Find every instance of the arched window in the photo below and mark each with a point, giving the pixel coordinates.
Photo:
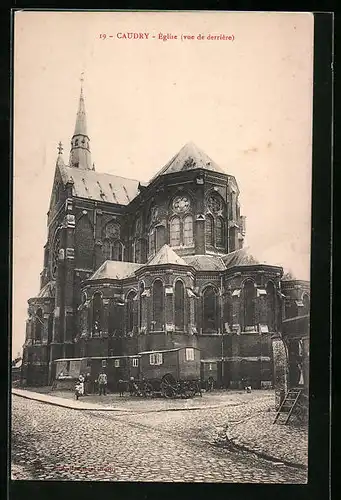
(117, 251)
(271, 306)
(220, 237)
(179, 303)
(210, 310)
(188, 230)
(306, 304)
(39, 325)
(131, 312)
(96, 313)
(209, 230)
(175, 232)
(249, 295)
(158, 305)
(142, 299)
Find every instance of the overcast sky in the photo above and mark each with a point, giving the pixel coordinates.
(247, 103)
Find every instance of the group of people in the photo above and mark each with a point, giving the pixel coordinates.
(83, 381)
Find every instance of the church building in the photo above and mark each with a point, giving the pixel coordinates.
(131, 266)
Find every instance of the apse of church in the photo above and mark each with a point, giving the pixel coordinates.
(132, 266)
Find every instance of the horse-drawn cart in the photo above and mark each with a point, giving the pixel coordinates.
(169, 373)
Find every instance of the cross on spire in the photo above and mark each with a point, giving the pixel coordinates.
(60, 148)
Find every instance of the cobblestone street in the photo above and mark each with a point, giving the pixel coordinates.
(54, 443)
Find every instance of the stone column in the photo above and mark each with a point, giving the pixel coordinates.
(199, 222)
(191, 317)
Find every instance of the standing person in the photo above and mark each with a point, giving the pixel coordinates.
(81, 380)
(86, 384)
(121, 387)
(102, 383)
(131, 386)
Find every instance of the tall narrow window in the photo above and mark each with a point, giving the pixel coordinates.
(84, 243)
(210, 310)
(39, 325)
(188, 230)
(151, 243)
(117, 251)
(249, 295)
(131, 312)
(158, 305)
(306, 304)
(175, 232)
(179, 306)
(50, 329)
(160, 237)
(209, 230)
(96, 313)
(138, 251)
(220, 239)
(271, 306)
(106, 249)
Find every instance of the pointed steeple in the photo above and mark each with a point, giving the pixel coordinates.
(80, 156)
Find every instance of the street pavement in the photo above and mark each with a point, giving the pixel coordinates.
(56, 443)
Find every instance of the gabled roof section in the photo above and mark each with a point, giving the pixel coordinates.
(115, 270)
(100, 186)
(189, 157)
(205, 262)
(166, 255)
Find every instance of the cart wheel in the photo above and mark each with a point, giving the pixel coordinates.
(168, 386)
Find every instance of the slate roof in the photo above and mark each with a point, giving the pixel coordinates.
(241, 257)
(166, 255)
(117, 270)
(189, 157)
(205, 262)
(208, 262)
(100, 186)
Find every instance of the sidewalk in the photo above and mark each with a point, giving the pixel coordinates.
(277, 442)
(140, 406)
(65, 403)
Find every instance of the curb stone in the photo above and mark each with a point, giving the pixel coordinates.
(73, 405)
(237, 443)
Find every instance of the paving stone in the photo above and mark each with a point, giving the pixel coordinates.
(75, 445)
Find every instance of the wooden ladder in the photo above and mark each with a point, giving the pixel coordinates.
(287, 406)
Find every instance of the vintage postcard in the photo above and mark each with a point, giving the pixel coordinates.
(162, 224)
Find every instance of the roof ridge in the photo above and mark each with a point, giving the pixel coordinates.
(96, 172)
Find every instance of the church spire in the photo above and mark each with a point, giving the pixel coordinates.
(80, 156)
